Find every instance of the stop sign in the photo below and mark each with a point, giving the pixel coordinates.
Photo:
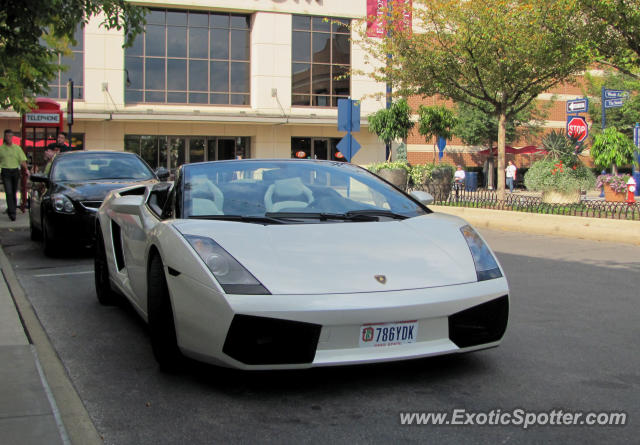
(577, 128)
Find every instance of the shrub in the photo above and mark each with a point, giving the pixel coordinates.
(551, 174)
(375, 168)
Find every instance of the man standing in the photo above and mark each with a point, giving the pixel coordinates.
(12, 157)
(59, 146)
(511, 175)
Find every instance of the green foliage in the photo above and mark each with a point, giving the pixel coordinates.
(436, 121)
(551, 174)
(421, 173)
(34, 32)
(477, 127)
(612, 148)
(401, 152)
(392, 123)
(615, 27)
(375, 168)
(561, 147)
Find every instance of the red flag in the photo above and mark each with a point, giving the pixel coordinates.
(376, 10)
(405, 8)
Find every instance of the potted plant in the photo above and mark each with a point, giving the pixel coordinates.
(615, 187)
(560, 176)
(612, 148)
(396, 172)
(390, 124)
(433, 178)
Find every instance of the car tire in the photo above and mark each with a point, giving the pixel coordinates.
(49, 246)
(106, 295)
(34, 234)
(162, 329)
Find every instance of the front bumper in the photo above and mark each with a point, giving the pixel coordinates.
(78, 228)
(323, 330)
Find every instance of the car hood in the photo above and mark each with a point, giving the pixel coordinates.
(346, 257)
(94, 190)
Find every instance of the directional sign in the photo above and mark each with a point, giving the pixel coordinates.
(348, 115)
(577, 128)
(616, 94)
(613, 103)
(577, 106)
(636, 135)
(348, 146)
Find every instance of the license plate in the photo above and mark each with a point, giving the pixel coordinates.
(388, 334)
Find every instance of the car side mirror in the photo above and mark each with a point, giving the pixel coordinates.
(422, 197)
(129, 205)
(162, 173)
(39, 177)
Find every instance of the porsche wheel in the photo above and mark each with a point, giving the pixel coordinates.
(161, 322)
(105, 294)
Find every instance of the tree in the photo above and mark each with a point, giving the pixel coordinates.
(497, 56)
(34, 32)
(392, 123)
(615, 26)
(436, 122)
(611, 149)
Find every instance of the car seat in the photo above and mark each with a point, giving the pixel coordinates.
(287, 193)
(205, 198)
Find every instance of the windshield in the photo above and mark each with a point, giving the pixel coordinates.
(312, 191)
(97, 166)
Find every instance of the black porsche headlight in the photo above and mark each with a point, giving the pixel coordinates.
(486, 265)
(231, 275)
(62, 204)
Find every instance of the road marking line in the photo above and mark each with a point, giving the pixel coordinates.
(62, 274)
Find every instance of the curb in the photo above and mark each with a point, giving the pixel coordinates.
(595, 229)
(75, 418)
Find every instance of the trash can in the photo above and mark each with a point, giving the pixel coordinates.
(471, 181)
(636, 177)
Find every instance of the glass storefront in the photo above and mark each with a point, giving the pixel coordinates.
(173, 151)
(316, 148)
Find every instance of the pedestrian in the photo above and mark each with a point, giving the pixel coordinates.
(60, 146)
(511, 175)
(458, 179)
(12, 157)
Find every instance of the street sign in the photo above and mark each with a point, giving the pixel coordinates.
(613, 103)
(577, 106)
(636, 135)
(348, 146)
(577, 128)
(348, 115)
(616, 94)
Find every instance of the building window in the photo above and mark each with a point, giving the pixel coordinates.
(321, 60)
(70, 66)
(316, 148)
(190, 57)
(173, 151)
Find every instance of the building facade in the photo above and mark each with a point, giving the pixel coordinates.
(211, 80)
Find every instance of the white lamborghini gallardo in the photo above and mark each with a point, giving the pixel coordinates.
(270, 264)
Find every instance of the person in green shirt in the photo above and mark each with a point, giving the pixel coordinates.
(12, 157)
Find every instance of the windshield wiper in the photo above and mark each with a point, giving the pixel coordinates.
(376, 212)
(322, 216)
(240, 218)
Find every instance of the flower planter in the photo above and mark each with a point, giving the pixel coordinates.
(613, 196)
(396, 176)
(555, 197)
(439, 185)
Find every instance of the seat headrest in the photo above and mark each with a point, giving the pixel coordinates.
(290, 187)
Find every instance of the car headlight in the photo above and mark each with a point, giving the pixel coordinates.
(231, 275)
(486, 264)
(62, 204)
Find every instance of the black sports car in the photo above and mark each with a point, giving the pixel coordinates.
(65, 198)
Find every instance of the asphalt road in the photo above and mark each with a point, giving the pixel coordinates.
(572, 344)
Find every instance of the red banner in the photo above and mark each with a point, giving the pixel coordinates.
(375, 17)
(376, 11)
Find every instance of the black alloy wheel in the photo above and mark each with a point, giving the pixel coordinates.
(162, 328)
(49, 246)
(34, 233)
